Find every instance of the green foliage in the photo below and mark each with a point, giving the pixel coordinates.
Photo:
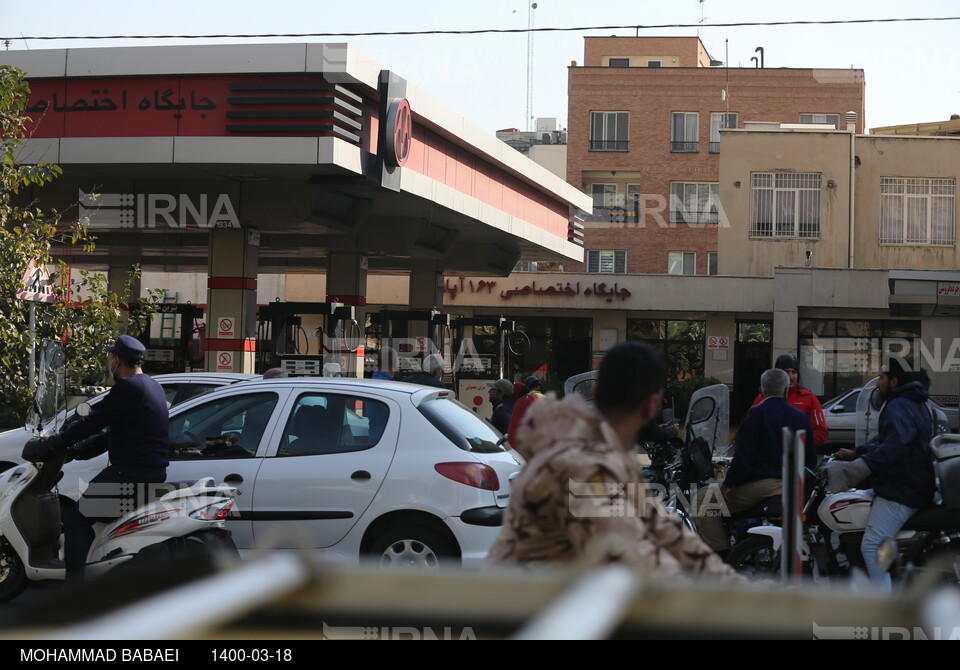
(87, 315)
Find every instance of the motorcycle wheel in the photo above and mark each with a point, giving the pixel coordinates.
(941, 566)
(212, 543)
(13, 579)
(754, 558)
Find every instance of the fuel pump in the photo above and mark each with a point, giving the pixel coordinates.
(175, 351)
(393, 329)
(486, 347)
(309, 339)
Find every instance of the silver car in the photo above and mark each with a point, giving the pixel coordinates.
(841, 416)
(177, 387)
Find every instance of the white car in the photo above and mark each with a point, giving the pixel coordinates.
(841, 417)
(177, 388)
(345, 468)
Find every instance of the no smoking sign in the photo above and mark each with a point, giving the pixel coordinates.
(225, 361)
(226, 327)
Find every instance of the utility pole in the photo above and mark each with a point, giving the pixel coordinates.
(530, 9)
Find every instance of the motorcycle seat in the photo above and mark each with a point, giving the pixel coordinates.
(771, 507)
(934, 518)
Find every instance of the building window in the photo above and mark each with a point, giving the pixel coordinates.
(619, 62)
(682, 263)
(604, 196)
(822, 119)
(917, 211)
(606, 261)
(607, 203)
(837, 355)
(682, 343)
(684, 137)
(711, 262)
(609, 131)
(653, 63)
(693, 203)
(785, 204)
(719, 121)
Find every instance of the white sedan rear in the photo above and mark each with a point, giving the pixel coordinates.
(344, 467)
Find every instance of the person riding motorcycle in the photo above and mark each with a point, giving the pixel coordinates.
(756, 472)
(801, 398)
(900, 461)
(135, 411)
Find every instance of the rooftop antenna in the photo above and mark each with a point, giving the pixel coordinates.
(702, 18)
(530, 9)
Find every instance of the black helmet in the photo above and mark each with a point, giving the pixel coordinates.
(787, 362)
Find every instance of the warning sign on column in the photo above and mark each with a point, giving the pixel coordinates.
(225, 361)
(226, 327)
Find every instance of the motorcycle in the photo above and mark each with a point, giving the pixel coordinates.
(680, 467)
(173, 516)
(832, 532)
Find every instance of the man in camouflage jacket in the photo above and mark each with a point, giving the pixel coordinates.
(582, 495)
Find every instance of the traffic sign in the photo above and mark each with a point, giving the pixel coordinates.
(36, 285)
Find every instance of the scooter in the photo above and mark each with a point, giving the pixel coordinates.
(183, 517)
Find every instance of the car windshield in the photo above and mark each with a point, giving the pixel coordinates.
(830, 403)
(461, 426)
(848, 400)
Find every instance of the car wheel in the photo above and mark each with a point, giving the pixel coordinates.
(13, 579)
(754, 558)
(412, 547)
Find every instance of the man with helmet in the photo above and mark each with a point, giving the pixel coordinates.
(138, 442)
(801, 398)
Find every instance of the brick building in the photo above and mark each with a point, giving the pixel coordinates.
(643, 140)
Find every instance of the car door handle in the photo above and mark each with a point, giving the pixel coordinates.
(234, 478)
(360, 476)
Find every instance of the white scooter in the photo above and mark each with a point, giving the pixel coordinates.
(183, 517)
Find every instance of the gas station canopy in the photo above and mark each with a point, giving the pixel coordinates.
(314, 147)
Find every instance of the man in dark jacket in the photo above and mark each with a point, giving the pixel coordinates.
(900, 461)
(756, 472)
(500, 393)
(430, 373)
(138, 442)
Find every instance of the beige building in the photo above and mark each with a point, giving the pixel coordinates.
(789, 196)
(866, 225)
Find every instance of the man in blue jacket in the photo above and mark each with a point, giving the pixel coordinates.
(138, 442)
(900, 462)
(756, 472)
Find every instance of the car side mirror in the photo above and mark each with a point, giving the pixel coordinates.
(837, 409)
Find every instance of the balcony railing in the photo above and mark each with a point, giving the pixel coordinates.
(609, 145)
(694, 218)
(612, 215)
(714, 147)
(685, 147)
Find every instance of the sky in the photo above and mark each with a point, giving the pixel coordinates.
(910, 68)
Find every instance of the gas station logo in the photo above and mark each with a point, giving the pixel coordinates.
(157, 210)
(400, 131)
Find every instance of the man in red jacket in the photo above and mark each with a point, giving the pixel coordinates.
(801, 398)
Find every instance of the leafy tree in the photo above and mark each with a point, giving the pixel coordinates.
(87, 315)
